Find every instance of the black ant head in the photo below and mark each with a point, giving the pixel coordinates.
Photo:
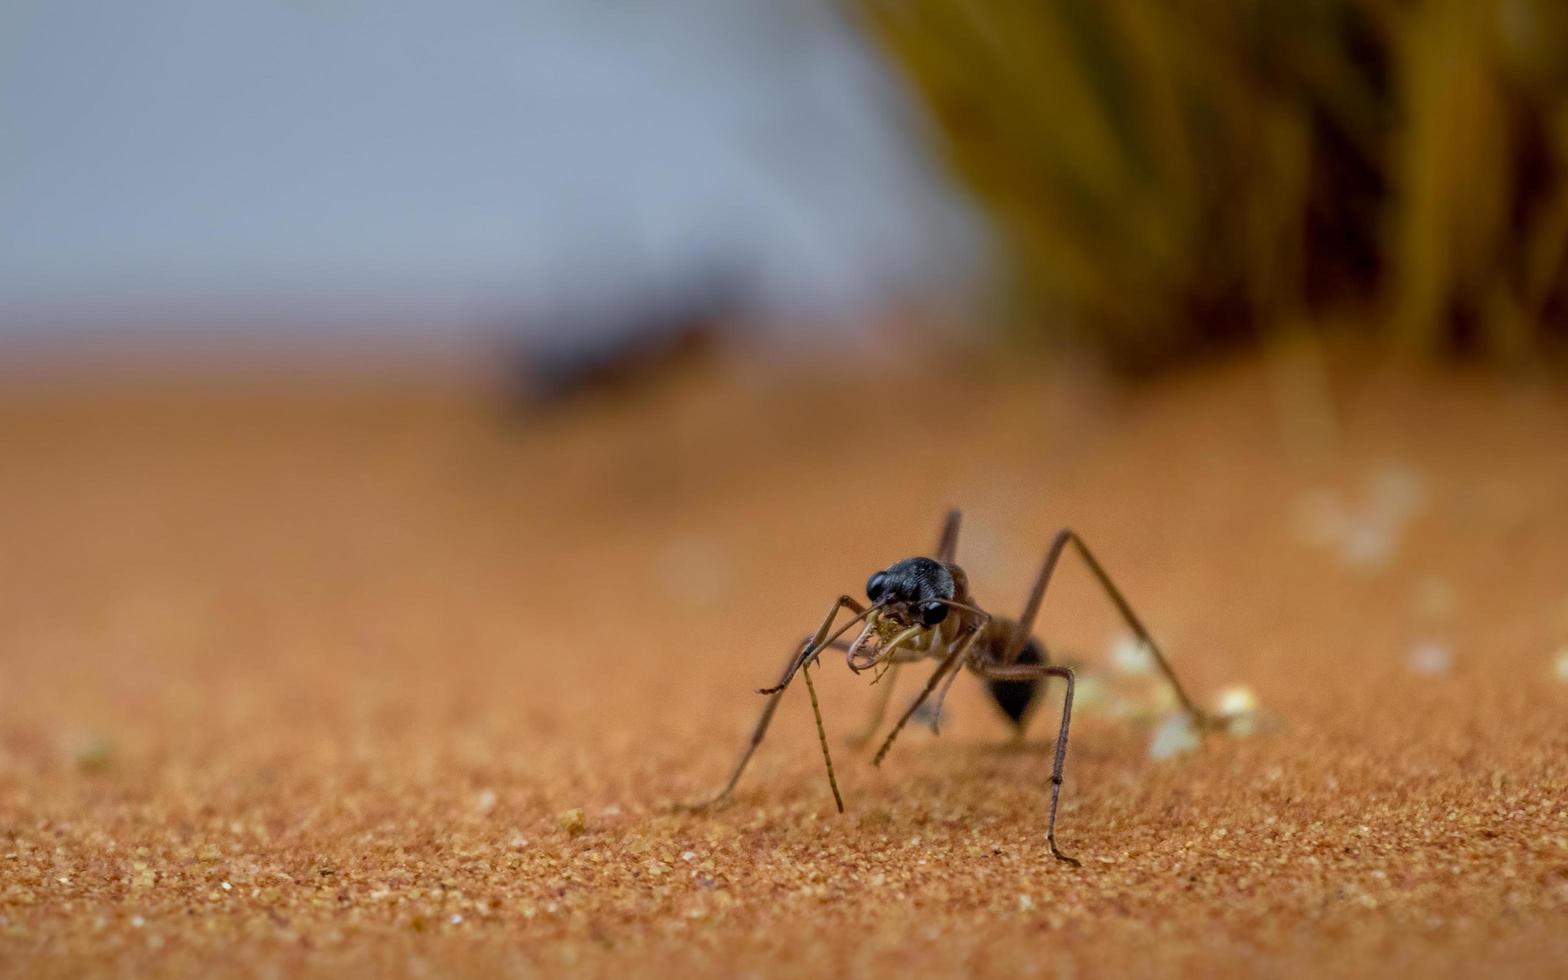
(909, 600)
(913, 592)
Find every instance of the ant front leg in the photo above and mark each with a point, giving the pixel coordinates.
(1020, 638)
(1036, 672)
(808, 650)
(950, 664)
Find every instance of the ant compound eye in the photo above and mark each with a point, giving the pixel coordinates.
(875, 585)
(932, 613)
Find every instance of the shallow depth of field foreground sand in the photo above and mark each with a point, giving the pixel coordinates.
(309, 683)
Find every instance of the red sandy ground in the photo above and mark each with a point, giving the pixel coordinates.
(298, 683)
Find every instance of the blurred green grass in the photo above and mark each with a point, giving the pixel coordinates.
(1172, 177)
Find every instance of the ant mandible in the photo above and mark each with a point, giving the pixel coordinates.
(921, 609)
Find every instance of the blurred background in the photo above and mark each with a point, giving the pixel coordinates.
(1141, 184)
(571, 176)
(453, 411)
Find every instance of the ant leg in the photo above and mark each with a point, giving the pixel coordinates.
(1016, 699)
(947, 544)
(941, 699)
(1036, 672)
(807, 650)
(1026, 622)
(820, 641)
(822, 735)
(952, 663)
(878, 710)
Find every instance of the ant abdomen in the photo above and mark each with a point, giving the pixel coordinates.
(1015, 698)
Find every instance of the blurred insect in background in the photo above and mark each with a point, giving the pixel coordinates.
(921, 609)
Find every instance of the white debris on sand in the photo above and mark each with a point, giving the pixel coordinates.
(1146, 697)
(1431, 657)
(1238, 709)
(1176, 736)
(1238, 699)
(1366, 532)
(1319, 518)
(1131, 688)
(1560, 667)
(1090, 696)
(1130, 655)
(1398, 492)
(1369, 542)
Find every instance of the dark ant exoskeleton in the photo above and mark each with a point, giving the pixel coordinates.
(921, 609)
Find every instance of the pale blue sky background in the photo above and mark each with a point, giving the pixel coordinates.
(451, 158)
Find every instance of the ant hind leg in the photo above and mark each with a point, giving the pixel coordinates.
(947, 544)
(1021, 632)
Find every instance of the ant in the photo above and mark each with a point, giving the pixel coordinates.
(921, 609)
